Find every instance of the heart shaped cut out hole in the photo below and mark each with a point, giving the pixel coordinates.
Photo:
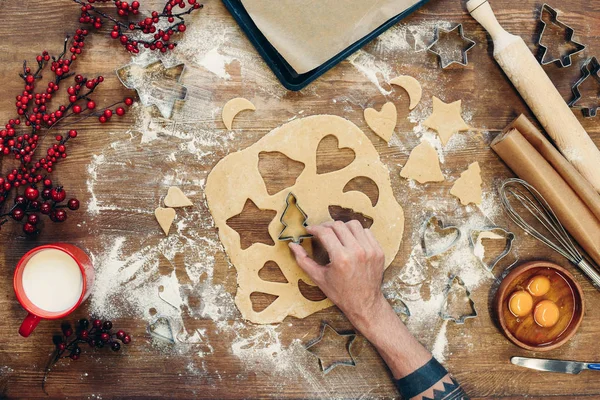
(330, 157)
(437, 238)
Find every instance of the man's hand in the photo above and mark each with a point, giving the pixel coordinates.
(352, 279)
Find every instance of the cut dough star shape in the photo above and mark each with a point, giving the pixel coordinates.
(468, 187)
(446, 119)
(423, 165)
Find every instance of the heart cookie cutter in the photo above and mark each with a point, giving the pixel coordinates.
(351, 336)
(444, 61)
(475, 237)
(591, 67)
(461, 319)
(564, 60)
(433, 221)
(288, 203)
(161, 328)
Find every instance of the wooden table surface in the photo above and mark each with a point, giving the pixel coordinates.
(120, 173)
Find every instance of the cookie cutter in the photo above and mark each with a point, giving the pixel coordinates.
(564, 60)
(163, 95)
(468, 45)
(430, 221)
(162, 328)
(328, 368)
(475, 234)
(288, 203)
(461, 319)
(591, 67)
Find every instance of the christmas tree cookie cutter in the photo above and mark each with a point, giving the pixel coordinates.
(351, 336)
(292, 201)
(490, 232)
(564, 60)
(460, 320)
(591, 67)
(431, 251)
(445, 61)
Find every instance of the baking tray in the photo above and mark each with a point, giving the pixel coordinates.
(284, 72)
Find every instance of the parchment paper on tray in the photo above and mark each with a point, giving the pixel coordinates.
(308, 33)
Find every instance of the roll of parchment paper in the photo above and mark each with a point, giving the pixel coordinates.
(572, 212)
(578, 183)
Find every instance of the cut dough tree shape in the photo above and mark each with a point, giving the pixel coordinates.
(412, 87)
(293, 220)
(382, 122)
(446, 119)
(423, 165)
(165, 217)
(175, 198)
(233, 107)
(468, 187)
(237, 178)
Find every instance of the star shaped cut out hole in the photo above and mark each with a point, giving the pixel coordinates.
(332, 348)
(252, 225)
(155, 84)
(451, 46)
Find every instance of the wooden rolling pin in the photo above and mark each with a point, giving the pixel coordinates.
(532, 82)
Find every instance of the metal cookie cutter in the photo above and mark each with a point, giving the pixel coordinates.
(475, 237)
(591, 67)
(156, 84)
(445, 59)
(289, 201)
(162, 328)
(427, 250)
(564, 60)
(327, 368)
(443, 312)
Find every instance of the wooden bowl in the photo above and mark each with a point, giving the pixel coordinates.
(564, 291)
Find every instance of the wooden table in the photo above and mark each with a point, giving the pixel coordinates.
(119, 196)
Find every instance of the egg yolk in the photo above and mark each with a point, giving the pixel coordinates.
(539, 285)
(520, 303)
(546, 313)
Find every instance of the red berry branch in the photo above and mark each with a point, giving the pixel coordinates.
(95, 333)
(36, 115)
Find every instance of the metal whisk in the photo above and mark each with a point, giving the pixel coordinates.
(555, 237)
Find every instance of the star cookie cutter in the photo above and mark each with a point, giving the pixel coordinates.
(162, 93)
(591, 67)
(314, 342)
(461, 319)
(288, 203)
(433, 221)
(564, 60)
(444, 61)
(474, 239)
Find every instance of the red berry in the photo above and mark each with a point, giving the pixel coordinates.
(72, 133)
(108, 113)
(127, 339)
(73, 204)
(107, 326)
(29, 228)
(46, 193)
(74, 357)
(18, 214)
(91, 105)
(97, 323)
(120, 111)
(181, 28)
(67, 332)
(33, 219)
(128, 101)
(120, 334)
(58, 194)
(20, 200)
(76, 109)
(47, 183)
(84, 335)
(102, 119)
(105, 337)
(60, 216)
(45, 208)
(32, 193)
(61, 346)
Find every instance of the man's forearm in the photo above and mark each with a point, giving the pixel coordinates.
(417, 374)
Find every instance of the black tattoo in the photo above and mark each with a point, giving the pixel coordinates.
(452, 391)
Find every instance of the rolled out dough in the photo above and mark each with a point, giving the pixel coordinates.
(468, 187)
(236, 178)
(423, 165)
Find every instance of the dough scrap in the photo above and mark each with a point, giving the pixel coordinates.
(412, 87)
(446, 119)
(175, 198)
(423, 164)
(468, 187)
(233, 107)
(236, 178)
(382, 122)
(165, 217)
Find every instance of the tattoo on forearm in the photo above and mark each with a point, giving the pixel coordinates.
(451, 391)
(430, 382)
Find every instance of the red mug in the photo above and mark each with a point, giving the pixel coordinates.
(42, 265)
